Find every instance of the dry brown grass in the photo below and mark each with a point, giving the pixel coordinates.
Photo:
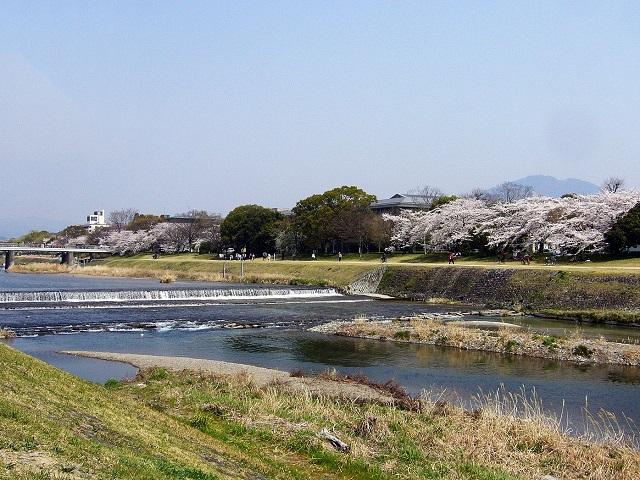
(167, 277)
(140, 272)
(40, 267)
(193, 275)
(505, 435)
(7, 333)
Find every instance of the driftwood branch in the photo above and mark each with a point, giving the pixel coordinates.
(334, 441)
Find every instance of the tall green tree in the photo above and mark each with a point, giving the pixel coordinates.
(625, 232)
(72, 231)
(333, 218)
(250, 226)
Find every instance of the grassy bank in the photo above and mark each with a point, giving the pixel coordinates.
(190, 426)
(205, 268)
(509, 341)
(55, 425)
(525, 289)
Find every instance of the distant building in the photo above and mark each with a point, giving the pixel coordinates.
(190, 219)
(401, 201)
(170, 219)
(286, 212)
(96, 220)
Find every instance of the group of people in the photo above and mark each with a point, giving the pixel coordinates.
(247, 256)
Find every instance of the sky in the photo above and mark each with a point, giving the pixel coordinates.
(168, 106)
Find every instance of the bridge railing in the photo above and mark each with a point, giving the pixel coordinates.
(26, 245)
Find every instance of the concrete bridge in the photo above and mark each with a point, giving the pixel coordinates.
(67, 253)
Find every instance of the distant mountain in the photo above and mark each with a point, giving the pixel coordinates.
(552, 187)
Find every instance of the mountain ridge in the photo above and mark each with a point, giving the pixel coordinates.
(550, 186)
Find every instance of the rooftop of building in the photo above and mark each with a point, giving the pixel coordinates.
(403, 200)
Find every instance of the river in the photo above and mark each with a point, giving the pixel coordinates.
(267, 326)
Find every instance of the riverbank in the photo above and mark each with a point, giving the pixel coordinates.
(258, 376)
(577, 293)
(205, 268)
(191, 424)
(508, 340)
(595, 296)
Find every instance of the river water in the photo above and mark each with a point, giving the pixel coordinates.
(267, 326)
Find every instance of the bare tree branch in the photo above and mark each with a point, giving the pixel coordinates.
(119, 219)
(510, 192)
(613, 184)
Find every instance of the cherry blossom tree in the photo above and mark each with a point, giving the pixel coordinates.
(446, 226)
(572, 224)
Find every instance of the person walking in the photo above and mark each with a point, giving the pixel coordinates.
(452, 258)
(339, 256)
(313, 256)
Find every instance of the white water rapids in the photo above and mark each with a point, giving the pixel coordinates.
(163, 295)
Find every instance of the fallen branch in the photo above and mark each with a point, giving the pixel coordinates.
(334, 441)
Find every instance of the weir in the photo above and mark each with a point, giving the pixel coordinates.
(163, 295)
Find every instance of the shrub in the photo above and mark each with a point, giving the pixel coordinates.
(583, 351)
(510, 345)
(550, 342)
(111, 383)
(402, 335)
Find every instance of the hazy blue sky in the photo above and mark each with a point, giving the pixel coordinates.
(166, 106)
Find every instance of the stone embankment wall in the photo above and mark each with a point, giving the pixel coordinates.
(508, 288)
(367, 283)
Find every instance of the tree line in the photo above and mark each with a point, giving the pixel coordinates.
(341, 220)
(608, 221)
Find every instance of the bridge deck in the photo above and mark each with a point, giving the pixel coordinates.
(53, 249)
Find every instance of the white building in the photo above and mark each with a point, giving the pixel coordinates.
(96, 220)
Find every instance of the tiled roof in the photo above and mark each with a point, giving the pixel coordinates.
(403, 200)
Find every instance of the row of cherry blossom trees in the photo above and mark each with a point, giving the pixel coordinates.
(167, 237)
(571, 224)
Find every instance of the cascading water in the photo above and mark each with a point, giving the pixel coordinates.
(163, 295)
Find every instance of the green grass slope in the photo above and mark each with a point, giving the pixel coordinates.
(55, 425)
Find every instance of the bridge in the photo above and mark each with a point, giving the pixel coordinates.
(67, 253)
